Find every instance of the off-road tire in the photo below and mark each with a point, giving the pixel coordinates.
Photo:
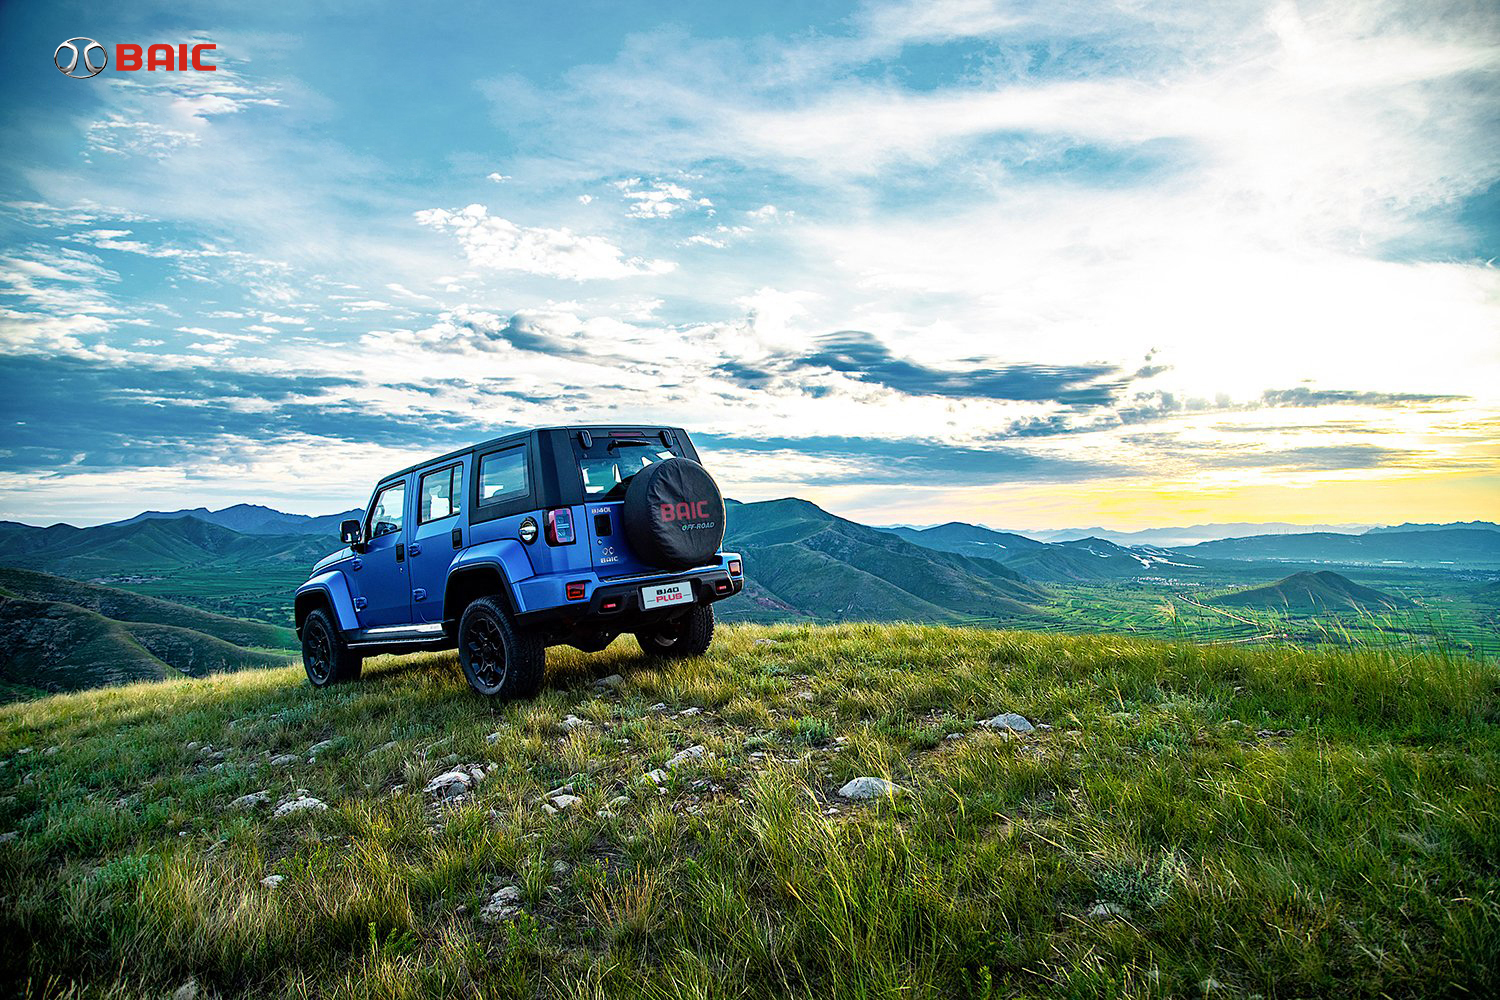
(499, 660)
(325, 657)
(690, 635)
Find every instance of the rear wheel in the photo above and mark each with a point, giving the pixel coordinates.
(499, 659)
(689, 635)
(324, 656)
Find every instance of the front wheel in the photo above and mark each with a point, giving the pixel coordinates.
(499, 659)
(689, 635)
(324, 656)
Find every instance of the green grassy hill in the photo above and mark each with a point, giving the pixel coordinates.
(123, 605)
(62, 635)
(1183, 821)
(1311, 593)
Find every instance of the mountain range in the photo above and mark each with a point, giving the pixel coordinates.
(253, 519)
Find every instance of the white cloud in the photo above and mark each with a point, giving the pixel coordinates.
(492, 242)
(658, 199)
(497, 177)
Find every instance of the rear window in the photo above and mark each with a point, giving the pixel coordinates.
(609, 462)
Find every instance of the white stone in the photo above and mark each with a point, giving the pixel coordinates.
(692, 753)
(187, 991)
(284, 759)
(299, 804)
(7, 837)
(194, 745)
(503, 905)
(807, 696)
(252, 801)
(1106, 911)
(318, 748)
(1011, 721)
(612, 681)
(572, 722)
(450, 784)
(561, 868)
(688, 713)
(564, 802)
(273, 881)
(655, 777)
(869, 788)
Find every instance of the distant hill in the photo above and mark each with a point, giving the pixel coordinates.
(253, 519)
(1312, 592)
(154, 545)
(1455, 547)
(1192, 534)
(49, 645)
(1086, 559)
(1409, 526)
(802, 558)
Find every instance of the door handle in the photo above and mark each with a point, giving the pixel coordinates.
(458, 538)
(414, 549)
(418, 594)
(356, 564)
(400, 552)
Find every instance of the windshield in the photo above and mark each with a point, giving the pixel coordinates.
(609, 463)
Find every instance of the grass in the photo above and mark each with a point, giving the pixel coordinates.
(1196, 820)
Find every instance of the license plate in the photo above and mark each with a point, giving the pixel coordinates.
(667, 593)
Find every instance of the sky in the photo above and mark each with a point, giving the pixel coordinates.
(1034, 265)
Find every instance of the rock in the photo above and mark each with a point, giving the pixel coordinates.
(618, 801)
(1106, 911)
(612, 681)
(688, 713)
(561, 868)
(954, 736)
(273, 881)
(187, 991)
(193, 746)
(560, 790)
(388, 745)
(318, 748)
(572, 722)
(6, 838)
(692, 753)
(869, 788)
(654, 777)
(1009, 721)
(285, 760)
(806, 696)
(299, 803)
(765, 642)
(492, 738)
(549, 809)
(563, 802)
(660, 706)
(252, 801)
(502, 906)
(450, 784)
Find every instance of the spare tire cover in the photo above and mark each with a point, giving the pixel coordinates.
(674, 514)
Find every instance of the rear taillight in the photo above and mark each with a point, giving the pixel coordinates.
(577, 589)
(560, 527)
(735, 567)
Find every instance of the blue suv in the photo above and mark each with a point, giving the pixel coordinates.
(561, 535)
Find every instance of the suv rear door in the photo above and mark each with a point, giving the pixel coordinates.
(437, 536)
(605, 465)
(379, 574)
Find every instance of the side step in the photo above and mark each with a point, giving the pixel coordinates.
(396, 635)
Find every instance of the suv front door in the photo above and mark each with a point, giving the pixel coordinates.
(382, 579)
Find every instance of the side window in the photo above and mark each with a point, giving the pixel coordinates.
(441, 494)
(502, 476)
(389, 511)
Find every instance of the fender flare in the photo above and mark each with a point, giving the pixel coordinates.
(332, 589)
(506, 558)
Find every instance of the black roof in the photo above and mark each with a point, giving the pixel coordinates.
(516, 436)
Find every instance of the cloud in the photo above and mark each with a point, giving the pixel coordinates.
(658, 199)
(499, 244)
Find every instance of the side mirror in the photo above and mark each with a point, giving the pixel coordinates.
(350, 533)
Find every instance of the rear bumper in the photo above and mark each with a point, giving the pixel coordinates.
(616, 607)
